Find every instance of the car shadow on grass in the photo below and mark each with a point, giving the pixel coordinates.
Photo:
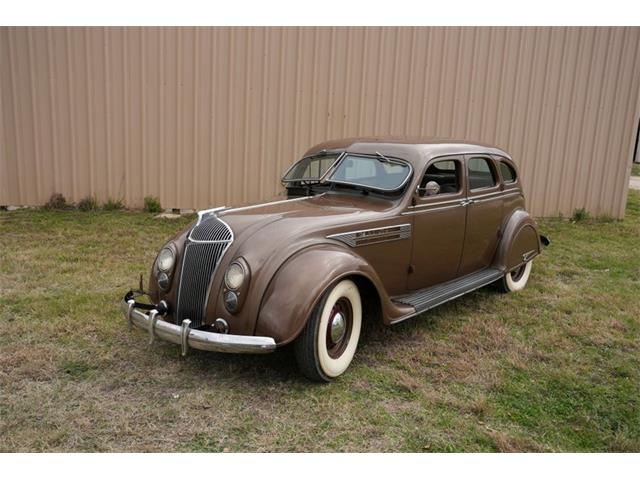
(280, 366)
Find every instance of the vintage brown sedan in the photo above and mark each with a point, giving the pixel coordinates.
(369, 229)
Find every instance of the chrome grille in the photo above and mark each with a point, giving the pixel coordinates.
(207, 243)
(211, 230)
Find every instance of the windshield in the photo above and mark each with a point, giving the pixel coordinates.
(310, 169)
(378, 172)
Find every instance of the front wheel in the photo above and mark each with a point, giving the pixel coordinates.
(328, 342)
(516, 279)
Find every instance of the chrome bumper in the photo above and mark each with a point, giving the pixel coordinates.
(187, 338)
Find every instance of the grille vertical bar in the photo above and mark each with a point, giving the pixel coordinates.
(205, 247)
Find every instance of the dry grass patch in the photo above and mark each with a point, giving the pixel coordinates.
(552, 368)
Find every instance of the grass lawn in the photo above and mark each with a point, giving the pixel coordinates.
(552, 368)
(635, 170)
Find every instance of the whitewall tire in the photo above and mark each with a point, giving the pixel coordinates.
(327, 344)
(517, 279)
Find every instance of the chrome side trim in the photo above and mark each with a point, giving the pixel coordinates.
(481, 200)
(198, 339)
(249, 207)
(497, 193)
(513, 194)
(444, 202)
(463, 201)
(425, 210)
(370, 236)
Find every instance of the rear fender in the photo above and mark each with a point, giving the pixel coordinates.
(520, 241)
(300, 282)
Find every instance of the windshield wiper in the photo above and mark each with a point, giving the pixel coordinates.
(382, 158)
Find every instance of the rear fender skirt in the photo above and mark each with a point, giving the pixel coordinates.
(520, 241)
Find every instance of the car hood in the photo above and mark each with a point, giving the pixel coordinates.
(266, 235)
(291, 220)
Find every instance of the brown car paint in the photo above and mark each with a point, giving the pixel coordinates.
(292, 261)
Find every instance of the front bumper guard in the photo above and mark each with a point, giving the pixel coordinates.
(187, 338)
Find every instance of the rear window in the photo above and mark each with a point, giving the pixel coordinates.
(508, 173)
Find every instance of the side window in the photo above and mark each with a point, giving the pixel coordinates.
(481, 174)
(445, 173)
(310, 168)
(507, 172)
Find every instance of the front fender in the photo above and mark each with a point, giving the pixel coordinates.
(299, 283)
(520, 241)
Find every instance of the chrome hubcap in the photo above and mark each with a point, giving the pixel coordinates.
(338, 327)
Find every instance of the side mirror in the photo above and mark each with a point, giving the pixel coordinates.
(431, 188)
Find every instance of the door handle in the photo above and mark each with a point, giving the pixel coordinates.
(467, 201)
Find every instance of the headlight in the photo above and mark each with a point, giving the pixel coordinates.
(165, 260)
(234, 276)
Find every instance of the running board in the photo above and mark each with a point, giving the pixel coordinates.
(427, 298)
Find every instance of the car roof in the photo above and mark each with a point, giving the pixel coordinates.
(416, 150)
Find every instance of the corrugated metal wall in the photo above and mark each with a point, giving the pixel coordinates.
(208, 116)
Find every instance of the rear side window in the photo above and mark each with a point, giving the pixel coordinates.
(481, 174)
(508, 173)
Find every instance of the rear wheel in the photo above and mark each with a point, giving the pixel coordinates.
(328, 342)
(517, 278)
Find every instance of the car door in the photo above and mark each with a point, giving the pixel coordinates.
(438, 224)
(484, 213)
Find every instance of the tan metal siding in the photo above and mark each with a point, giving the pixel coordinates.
(208, 116)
